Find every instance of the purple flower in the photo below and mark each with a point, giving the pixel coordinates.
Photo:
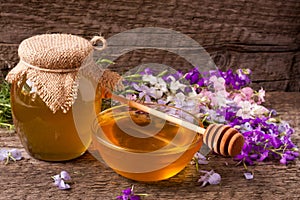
(135, 197)
(178, 75)
(144, 92)
(222, 97)
(210, 177)
(200, 159)
(265, 139)
(147, 70)
(236, 80)
(193, 76)
(127, 191)
(128, 194)
(238, 106)
(61, 180)
(10, 154)
(288, 156)
(263, 154)
(65, 175)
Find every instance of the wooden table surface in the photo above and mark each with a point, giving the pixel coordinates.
(31, 178)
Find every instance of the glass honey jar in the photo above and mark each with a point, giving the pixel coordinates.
(52, 112)
(46, 135)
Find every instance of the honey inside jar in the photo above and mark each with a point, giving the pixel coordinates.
(46, 135)
(133, 152)
(54, 94)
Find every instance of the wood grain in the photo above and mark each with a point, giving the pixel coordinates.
(31, 179)
(262, 35)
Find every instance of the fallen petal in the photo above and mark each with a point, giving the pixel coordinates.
(214, 179)
(248, 175)
(65, 175)
(63, 186)
(56, 179)
(210, 177)
(202, 162)
(16, 154)
(3, 154)
(204, 183)
(203, 179)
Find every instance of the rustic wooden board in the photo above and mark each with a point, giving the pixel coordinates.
(30, 178)
(262, 35)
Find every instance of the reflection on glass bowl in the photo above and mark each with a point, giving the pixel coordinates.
(143, 147)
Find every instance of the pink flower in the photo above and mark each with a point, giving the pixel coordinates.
(237, 98)
(248, 93)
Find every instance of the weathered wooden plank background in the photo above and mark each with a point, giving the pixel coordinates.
(259, 34)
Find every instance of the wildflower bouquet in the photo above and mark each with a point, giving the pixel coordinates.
(219, 97)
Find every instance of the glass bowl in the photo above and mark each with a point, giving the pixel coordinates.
(142, 147)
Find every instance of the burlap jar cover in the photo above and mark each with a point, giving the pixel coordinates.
(52, 62)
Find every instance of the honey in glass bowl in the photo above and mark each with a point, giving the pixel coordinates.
(142, 147)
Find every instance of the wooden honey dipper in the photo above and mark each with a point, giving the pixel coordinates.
(220, 138)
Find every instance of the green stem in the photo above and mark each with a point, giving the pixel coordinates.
(9, 156)
(244, 164)
(162, 73)
(3, 124)
(5, 105)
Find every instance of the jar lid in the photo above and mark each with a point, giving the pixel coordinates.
(51, 62)
(55, 51)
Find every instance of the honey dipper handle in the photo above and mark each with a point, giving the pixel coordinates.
(159, 114)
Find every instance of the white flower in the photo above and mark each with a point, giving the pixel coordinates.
(161, 85)
(215, 117)
(261, 95)
(246, 126)
(245, 110)
(193, 93)
(175, 85)
(144, 91)
(149, 78)
(155, 93)
(182, 101)
(157, 89)
(219, 83)
(258, 110)
(219, 99)
(248, 110)
(179, 99)
(158, 83)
